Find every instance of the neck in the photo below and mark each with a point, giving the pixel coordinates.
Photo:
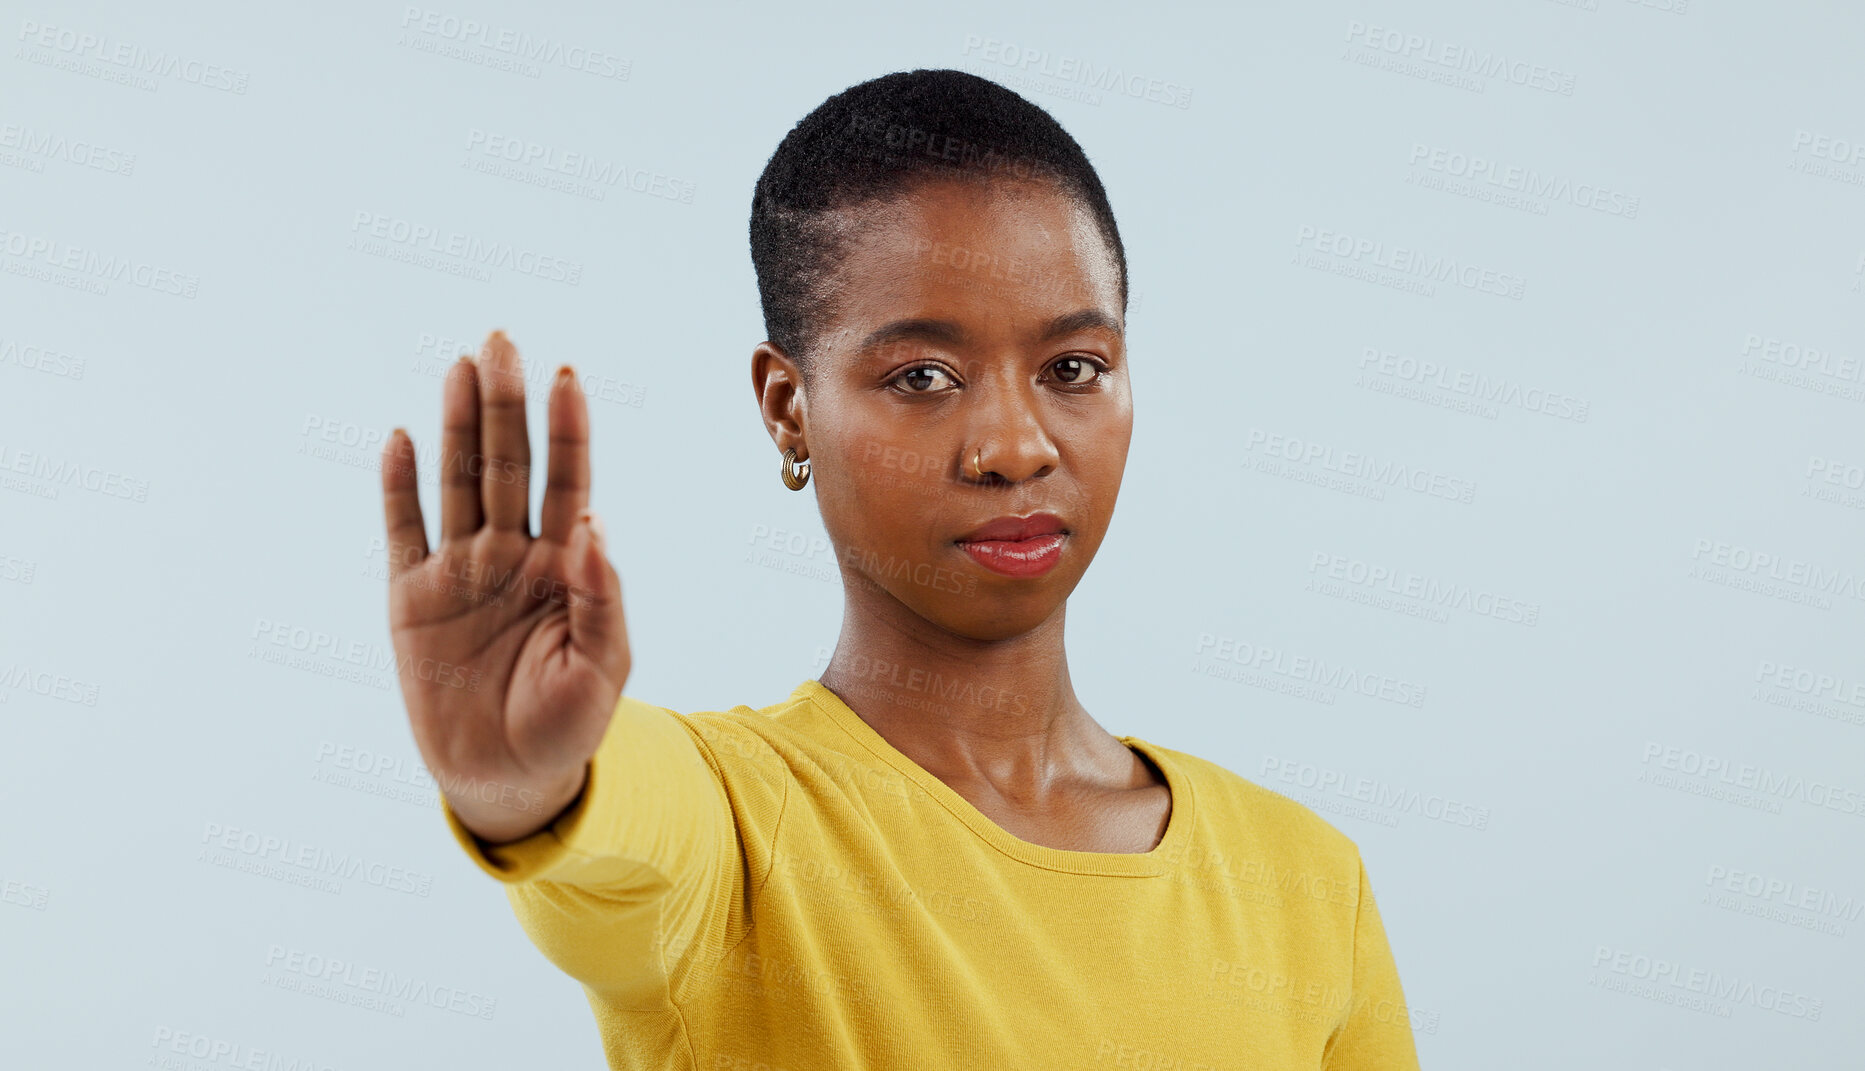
(999, 712)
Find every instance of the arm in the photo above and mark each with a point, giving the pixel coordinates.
(628, 888)
(1376, 1033)
(650, 809)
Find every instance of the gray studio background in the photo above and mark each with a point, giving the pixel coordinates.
(1621, 575)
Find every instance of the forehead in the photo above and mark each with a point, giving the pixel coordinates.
(999, 254)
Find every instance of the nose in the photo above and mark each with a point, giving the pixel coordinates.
(1007, 432)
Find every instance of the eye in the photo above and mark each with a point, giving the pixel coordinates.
(1074, 370)
(919, 377)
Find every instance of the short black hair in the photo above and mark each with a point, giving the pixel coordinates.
(879, 139)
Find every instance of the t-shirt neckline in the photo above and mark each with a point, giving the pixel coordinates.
(1151, 863)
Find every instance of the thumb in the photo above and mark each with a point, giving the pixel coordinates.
(597, 627)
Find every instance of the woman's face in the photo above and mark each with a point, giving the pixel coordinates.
(973, 324)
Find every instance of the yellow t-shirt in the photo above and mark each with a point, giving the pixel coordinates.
(783, 890)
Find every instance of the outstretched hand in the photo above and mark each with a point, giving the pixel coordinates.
(511, 647)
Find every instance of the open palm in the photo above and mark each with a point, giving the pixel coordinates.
(512, 648)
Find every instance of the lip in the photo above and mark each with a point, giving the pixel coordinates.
(1017, 557)
(1014, 529)
(1016, 546)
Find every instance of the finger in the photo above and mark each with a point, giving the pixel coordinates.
(460, 514)
(566, 490)
(401, 505)
(597, 627)
(505, 482)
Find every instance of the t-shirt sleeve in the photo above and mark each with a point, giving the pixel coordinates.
(1376, 1034)
(638, 872)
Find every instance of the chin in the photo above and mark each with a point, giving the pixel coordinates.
(1001, 607)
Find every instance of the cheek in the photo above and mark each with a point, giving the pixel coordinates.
(1102, 447)
(882, 497)
(907, 476)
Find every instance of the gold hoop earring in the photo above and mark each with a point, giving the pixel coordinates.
(792, 479)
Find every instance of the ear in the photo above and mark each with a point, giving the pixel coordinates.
(778, 384)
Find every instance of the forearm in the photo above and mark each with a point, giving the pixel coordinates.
(499, 813)
(647, 836)
(647, 808)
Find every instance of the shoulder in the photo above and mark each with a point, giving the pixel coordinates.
(735, 740)
(1244, 816)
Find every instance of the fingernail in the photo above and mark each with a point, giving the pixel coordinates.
(595, 527)
(565, 374)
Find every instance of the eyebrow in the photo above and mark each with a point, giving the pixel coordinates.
(952, 334)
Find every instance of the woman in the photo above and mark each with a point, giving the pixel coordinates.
(933, 856)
